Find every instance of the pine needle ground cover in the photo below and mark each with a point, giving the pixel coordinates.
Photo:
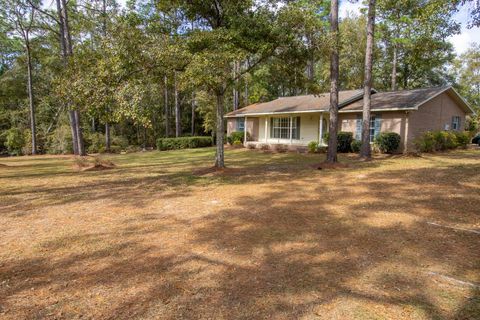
(161, 236)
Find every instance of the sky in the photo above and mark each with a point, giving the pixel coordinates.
(461, 41)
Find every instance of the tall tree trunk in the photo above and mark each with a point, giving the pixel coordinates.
(365, 150)
(394, 68)
(219, 157)
(144, 138)
(334, 62)
(63, 47)
(30, 95)
(68, 47)
(167, 109)
(178, 124)
(236, 93)
(71, 117)
(246, 85)
(193, 114)
(107, 111)
(108, 141)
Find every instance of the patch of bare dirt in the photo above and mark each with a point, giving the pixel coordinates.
(327, 165)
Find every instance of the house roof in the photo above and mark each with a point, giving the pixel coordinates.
(352, 101)
(406, 100)
(297, 104)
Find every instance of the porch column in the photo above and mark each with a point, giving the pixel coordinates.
(320, 138)
(291, 129)
(405, 139)
(245, 132)
(266, 129)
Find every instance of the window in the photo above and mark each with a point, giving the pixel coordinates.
(280, 128)
(375, 124)
(241, 124)
(456, 123)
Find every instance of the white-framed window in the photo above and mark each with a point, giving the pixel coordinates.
(280, 127)
(456, 123)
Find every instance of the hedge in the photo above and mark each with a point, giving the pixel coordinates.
(388, 142)
(183, 143)
(344, 141)
(431, 141)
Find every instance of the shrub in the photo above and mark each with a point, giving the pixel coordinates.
(237, 144)
(60, 140)
(237, 135)
(444, 140)
(388, 142)
(95, 142)
(281, 148)
(264, 147)
(462, 138)
(14, 141)
(425, 143)
(312, 146)
(441, 140)
(344, 140)
(183, 143)
(356, 145)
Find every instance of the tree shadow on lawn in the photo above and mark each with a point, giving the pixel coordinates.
(283, 253)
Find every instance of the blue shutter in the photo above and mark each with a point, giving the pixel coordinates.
(378, 125)
(358, 128)
(297, 133)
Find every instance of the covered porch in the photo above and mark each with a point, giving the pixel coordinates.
(293, 129)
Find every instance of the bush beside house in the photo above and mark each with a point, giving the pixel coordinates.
(432, 141)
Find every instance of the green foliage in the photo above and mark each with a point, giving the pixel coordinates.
(183, 143)
(471, 124)
(237, 136)
(14, 141)
(344, 141)
(356, 145)
(462, 138)
(60, 141)
(312, 146)
(237, 144)
(388, 142)
(431, 141)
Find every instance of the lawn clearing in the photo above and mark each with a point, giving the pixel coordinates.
(161, 236)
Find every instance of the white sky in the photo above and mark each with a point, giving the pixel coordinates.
(461, 42)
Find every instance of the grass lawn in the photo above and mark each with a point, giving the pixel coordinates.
(269, 238)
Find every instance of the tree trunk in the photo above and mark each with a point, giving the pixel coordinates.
(178, 125)
(71, 117)
(78, 129)
(333, 125)
(394, 68)
(236, 93)
(144, 138)
(167, 110)
(30, 95)
(193, 114)
(67, 46)
(365, 150)
(107, 137)
(219, 157)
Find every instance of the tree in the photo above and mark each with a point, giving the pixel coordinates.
(365, 150)
(334, 62)
(466, 70)
(20, 17)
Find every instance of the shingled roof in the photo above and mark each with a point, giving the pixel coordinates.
(397, 100)
(351, 101)
(296, 104)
